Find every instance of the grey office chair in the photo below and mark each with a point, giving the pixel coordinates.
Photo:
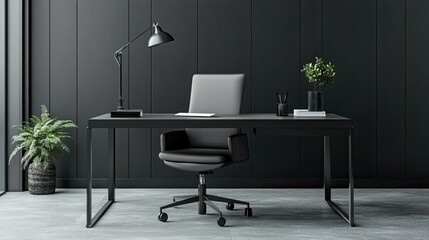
(203, 150)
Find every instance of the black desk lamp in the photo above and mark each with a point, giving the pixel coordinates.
(159, 37)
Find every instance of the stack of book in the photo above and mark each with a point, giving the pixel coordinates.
(306, 113)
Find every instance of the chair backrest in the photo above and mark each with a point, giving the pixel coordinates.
(215, 93)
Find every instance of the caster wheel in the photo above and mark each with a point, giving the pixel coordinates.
(163, 217)
(174, 200)
(221, 221)
(230, 206)
(248, 212)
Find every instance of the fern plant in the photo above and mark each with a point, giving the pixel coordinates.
(41, 139)
(319, 73)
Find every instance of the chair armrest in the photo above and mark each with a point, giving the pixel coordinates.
(174, 140)
(238, 147)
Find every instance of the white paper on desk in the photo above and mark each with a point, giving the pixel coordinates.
(306, 113)
(183, 114)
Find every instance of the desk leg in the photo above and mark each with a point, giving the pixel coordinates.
(112, 158)
(327, 167)
(88, 177)
(351, 178)
(91, 221)
(327, 179)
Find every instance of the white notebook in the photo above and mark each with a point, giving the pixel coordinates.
(306, 113)
(183, 114)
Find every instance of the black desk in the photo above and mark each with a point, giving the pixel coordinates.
(331, 125)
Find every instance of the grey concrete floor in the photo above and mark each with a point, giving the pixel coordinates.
(278, 214)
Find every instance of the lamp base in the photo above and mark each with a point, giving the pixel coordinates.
(126, 113)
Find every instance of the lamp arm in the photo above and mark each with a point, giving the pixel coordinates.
(132, 40)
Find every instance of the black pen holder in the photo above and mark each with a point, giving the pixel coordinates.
(282, 109)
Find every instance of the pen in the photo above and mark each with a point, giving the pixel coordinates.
(279, 97)
(286, 96)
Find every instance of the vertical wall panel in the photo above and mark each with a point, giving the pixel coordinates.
(174, 64)
(99, 20)
(225, 46)
(349, 41)
(311, 46)
(275, 68)
(224, 40)
(14, 86)
(417, 38)
(140, 87)
(39, 54)
(3, 137)
(63, 75)
(391, 88)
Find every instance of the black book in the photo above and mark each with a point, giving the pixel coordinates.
(127, 113)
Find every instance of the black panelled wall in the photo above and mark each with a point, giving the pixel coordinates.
(379, 48)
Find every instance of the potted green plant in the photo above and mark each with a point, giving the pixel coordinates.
(41, 139)
(319, 74)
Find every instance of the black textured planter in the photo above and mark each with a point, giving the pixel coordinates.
(41, 181)
(315, 101)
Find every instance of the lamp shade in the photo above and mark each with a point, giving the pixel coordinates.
(159, 37)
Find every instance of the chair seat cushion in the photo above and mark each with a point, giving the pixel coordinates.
(196, 155)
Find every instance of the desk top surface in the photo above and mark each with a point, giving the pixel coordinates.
(251, 120)
(218, 117)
